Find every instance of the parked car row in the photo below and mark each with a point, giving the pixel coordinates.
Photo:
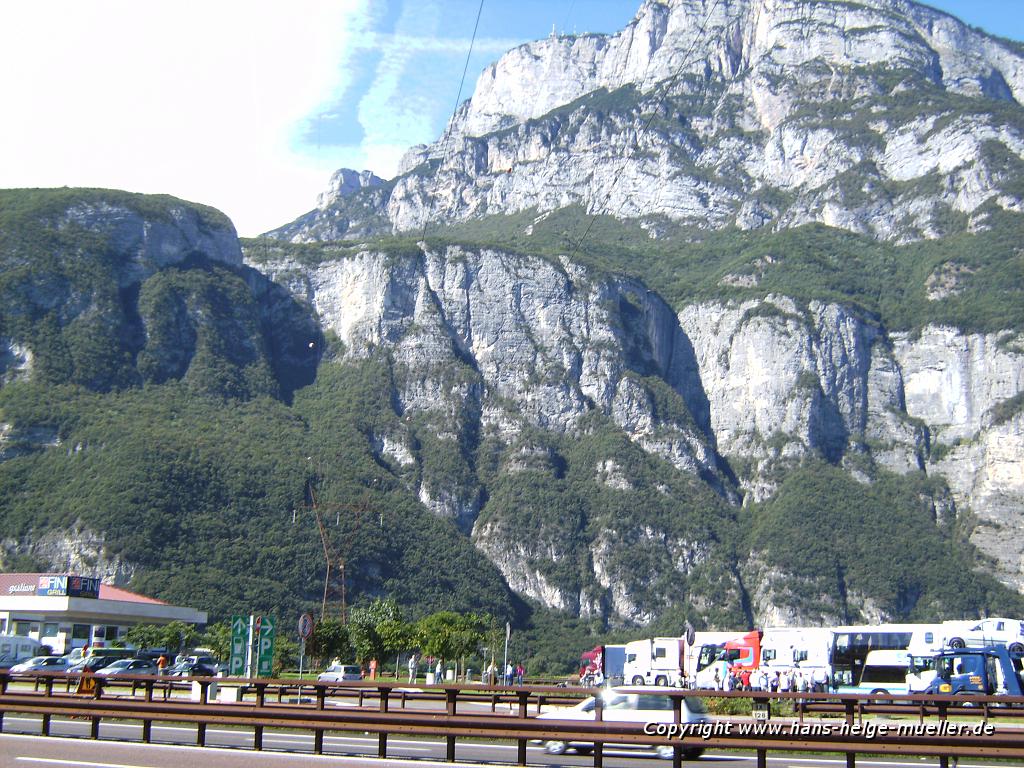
(106, 666)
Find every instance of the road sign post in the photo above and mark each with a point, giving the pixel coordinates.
(265, 649)
(305, 630)
(236, 664)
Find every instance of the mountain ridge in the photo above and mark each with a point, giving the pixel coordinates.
(640, 370)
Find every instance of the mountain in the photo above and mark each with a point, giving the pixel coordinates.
(716, 319)
(883, 117)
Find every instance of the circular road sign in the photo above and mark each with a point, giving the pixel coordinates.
(305, 626)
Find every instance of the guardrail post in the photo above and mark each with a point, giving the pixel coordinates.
(943, 759)
(4, 679)
(261, 700)
(48, 687)
(524, 699)
(318, 734)
(677, 717)
(382, 737)
(94, 728)
(598, 746)
(851, 759)
(450, 696)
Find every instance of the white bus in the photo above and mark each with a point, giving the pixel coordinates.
(851, 646)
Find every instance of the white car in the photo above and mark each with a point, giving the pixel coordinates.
(41, 664)
(341, 673)
(992, 631)
(638, 705)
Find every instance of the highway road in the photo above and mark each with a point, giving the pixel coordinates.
(231, 748)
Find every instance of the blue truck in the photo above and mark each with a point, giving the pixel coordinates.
(977, 672)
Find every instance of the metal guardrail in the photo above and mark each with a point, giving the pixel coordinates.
(851, 734)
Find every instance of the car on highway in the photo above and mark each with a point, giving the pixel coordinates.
(41, 664)
(631, 705)
(341, 673)
(129, 667)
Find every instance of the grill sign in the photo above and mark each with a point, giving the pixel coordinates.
(69, 586)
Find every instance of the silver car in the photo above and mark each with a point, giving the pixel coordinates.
(129, 667)
(633, 705)
(41, 664)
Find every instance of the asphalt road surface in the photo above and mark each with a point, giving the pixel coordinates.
(69, 747)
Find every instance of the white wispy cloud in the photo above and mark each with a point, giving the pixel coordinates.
(196, 99)
(394, 117)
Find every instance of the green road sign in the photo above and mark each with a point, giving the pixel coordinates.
(239, 638)
(265, 651)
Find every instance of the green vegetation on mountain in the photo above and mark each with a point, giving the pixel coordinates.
(877, 544)
(808, 263)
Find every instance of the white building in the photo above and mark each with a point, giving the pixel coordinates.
(68, 611)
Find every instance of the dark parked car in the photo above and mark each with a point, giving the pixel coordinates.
(191, 669)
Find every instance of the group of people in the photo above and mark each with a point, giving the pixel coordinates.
(414, 664)
(781, 681)
(513, 674)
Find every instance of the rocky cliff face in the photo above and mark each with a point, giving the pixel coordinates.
(879, 117)
(489, 343)
(135, 289)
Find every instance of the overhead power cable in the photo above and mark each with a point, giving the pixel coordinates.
(455, 110)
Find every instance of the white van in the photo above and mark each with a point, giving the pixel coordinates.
(17, 648)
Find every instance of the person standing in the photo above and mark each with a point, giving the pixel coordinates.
(520, 673)
(508, 673)
(413, 664)
(438, 671)
(161, 664)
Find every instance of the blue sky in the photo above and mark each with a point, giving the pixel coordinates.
(250, 105)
